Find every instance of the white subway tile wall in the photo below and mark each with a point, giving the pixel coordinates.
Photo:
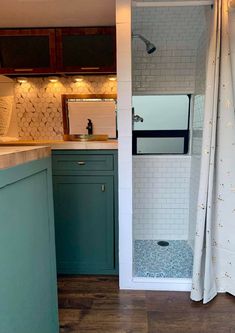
(161, 197)
(38, 103)
(198, 113)
(197, 130)
(176, 32)
(164, 189)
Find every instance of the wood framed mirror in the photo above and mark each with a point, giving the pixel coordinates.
(98, 109)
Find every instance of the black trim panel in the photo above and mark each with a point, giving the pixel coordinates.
(160, 134)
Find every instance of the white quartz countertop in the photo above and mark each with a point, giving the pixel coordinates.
(56, 145)
(11, 156)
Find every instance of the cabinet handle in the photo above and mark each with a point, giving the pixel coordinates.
(103, 188)
(81, 163)
(23, 69)
(89, 68)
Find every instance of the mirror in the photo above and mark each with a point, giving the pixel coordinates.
(89, 116)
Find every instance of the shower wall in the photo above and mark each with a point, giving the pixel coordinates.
(162, 185)
(197, 128)
(175, 31)
(161, 197)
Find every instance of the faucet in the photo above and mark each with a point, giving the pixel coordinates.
(89, 127)
(137, 118)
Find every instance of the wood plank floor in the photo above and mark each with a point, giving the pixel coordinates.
(96, 305)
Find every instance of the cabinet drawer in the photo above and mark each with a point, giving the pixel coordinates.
(83, 162)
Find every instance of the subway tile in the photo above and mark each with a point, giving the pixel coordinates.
(159, 210)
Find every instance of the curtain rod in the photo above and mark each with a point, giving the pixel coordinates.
(172, 3)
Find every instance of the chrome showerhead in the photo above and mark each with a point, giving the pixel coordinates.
(150, 47)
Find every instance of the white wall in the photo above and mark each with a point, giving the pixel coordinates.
(232, 43)
(161, 197)
(178, 66)
(197, 127)
(175, 31)
(123, 25)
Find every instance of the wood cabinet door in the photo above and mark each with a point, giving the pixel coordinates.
(86, 50)
(84, 224)
(26, 51)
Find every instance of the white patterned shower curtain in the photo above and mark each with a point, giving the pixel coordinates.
(214, 254)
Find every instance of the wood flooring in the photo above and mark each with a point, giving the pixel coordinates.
(94, 304)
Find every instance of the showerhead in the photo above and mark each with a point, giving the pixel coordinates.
(150, 47)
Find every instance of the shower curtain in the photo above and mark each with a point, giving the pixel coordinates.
(214, 253)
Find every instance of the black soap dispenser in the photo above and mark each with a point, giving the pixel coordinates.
(89, 127)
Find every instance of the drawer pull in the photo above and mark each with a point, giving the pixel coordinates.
(23, 69)
(90, 68)
(103, 188)
(81, 163)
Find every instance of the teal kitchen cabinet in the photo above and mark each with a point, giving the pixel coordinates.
(28, 289)
(85, 201)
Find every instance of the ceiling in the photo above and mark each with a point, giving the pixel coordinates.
(52, 13)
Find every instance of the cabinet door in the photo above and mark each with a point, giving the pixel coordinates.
(84, 222)
(87, 50)
(28, 297)
(25, 51)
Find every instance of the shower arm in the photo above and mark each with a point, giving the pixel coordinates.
(140, 37)
(150, 47)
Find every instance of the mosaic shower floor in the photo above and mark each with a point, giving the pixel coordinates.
(153, 260)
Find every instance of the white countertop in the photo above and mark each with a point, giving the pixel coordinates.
(56, 145)
(11, 156)
(87, 145)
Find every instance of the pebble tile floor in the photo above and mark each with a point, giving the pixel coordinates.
(153, 260)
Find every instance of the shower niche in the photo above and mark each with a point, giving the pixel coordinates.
(168, 102)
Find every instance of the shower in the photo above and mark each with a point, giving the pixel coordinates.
(150, 47)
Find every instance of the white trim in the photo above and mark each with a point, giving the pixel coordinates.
(161, 156)
(172, 3)
(191, 117)
(161, 284)
(163, 93)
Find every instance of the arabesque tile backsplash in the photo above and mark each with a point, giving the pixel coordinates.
(38, 103)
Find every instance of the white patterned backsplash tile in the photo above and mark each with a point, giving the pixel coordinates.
(38, 103)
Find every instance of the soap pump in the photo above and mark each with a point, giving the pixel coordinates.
(89, 127)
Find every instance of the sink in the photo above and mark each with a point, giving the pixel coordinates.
(85, 137)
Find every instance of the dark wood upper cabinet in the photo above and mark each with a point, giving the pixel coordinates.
(27, 51)
(58, 50)
(86, 50)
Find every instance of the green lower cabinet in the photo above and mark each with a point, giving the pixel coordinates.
(85, 216)
(84, 228)
(28, 289)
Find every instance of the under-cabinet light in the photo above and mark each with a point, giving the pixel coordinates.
(112, 78)
(78, 78)
(53, 79)
(21, 79)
